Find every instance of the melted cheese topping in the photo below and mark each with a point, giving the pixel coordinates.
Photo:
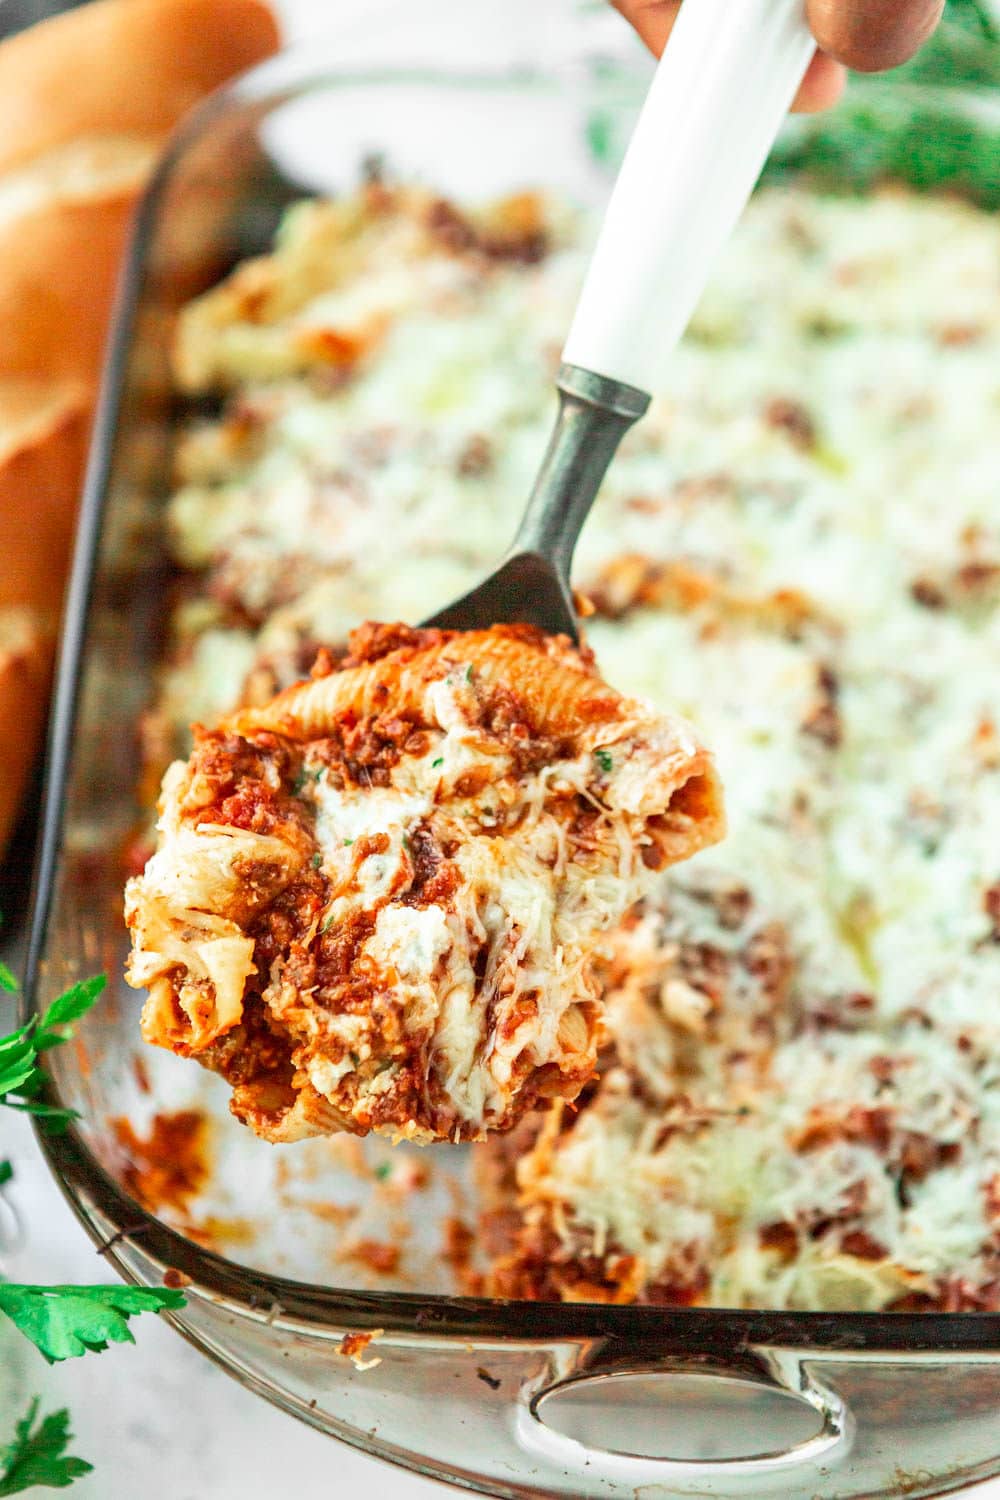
(798, 547)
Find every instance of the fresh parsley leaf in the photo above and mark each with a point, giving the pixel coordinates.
(56, 1116)
(26, 1098)
(38, 1458)
(604, 760)
(32, 1085)
(17, 1058)
(65, 1321)
(21, 1080)
(307, 773)
(7, 980)
(67, 1008)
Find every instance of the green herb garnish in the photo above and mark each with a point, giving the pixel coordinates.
(604, 760)
(21, 1079)
(307, 773)
(438, 762)
(17, 1060)
(912, 125)
(38, 1458)
(383, 1170)
(66, 1321)
(70, 1006)
(61, 1321)
(881, 138)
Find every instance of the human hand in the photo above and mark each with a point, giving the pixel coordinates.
(867, 35)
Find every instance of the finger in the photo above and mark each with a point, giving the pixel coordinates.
(654, 20)
(870, 35)
(822, 85)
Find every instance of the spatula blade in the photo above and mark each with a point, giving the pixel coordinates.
(525, 589)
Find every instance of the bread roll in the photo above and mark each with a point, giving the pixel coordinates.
(25, 670)
(63, 222)
(87, 101)
(122, 67)
(43, 436)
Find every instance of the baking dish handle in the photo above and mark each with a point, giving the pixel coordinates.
(693, 1420)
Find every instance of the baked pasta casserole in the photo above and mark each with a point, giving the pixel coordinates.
(375, 899)
(796, 1099)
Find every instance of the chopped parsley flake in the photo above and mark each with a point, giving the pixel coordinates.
(604, 760)
(307, 773)
(383, 1170)
(438, 762)
(317, 860)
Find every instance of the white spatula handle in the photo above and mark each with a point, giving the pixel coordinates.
(727, 77)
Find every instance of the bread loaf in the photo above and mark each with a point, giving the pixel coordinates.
(87, 101)
(63, 224)
(43, 435)
(122, 67)
(25, 669)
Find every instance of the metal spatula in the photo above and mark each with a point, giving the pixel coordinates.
(718, 97)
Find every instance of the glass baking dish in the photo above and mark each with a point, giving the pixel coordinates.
(511, 1399)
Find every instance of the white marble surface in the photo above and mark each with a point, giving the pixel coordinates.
(157, 1420)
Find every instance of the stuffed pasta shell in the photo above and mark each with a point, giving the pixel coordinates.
(375, 901)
